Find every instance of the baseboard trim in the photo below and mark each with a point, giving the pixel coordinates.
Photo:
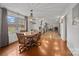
(12, 43)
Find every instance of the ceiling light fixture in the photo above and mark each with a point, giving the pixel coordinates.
(31, 15)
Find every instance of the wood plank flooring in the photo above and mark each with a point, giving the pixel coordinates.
(51, 45)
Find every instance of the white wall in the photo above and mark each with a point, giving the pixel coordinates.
(62, 29)
(72, 33)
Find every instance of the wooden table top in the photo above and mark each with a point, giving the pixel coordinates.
(29, 34)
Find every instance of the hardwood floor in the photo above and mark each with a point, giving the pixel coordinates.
(51, 45)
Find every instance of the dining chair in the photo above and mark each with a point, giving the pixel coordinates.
(24, 42)
(21, 41)
(36, 39)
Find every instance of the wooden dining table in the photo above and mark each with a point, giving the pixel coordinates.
(29, 35)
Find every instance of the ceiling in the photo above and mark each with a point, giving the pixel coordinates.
(49, 11)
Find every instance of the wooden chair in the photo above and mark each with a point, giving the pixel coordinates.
(21, 41)
(39, 36)
(36, 39)
(24, 42)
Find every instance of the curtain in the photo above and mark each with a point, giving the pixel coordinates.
(4, 28)
(0, 27)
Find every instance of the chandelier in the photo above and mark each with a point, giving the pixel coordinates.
(31, 15)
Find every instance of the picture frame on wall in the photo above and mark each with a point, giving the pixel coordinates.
(75, 15)
(75, 21)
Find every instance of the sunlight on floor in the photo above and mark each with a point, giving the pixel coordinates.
(42, 50)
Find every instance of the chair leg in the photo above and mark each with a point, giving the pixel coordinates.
(21, 49)
(38, 43)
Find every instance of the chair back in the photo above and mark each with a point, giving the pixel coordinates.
(21, 38)
(37, 37)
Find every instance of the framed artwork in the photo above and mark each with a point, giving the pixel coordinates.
(75, 21)
(75, 15)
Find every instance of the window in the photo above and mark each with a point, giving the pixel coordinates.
(15, 24)
(11, 19)
(11, 23)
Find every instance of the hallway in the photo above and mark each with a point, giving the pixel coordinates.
(47, 18)
(51, 45)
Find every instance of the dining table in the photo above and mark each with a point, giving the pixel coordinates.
(29, 34)
(29, 37)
